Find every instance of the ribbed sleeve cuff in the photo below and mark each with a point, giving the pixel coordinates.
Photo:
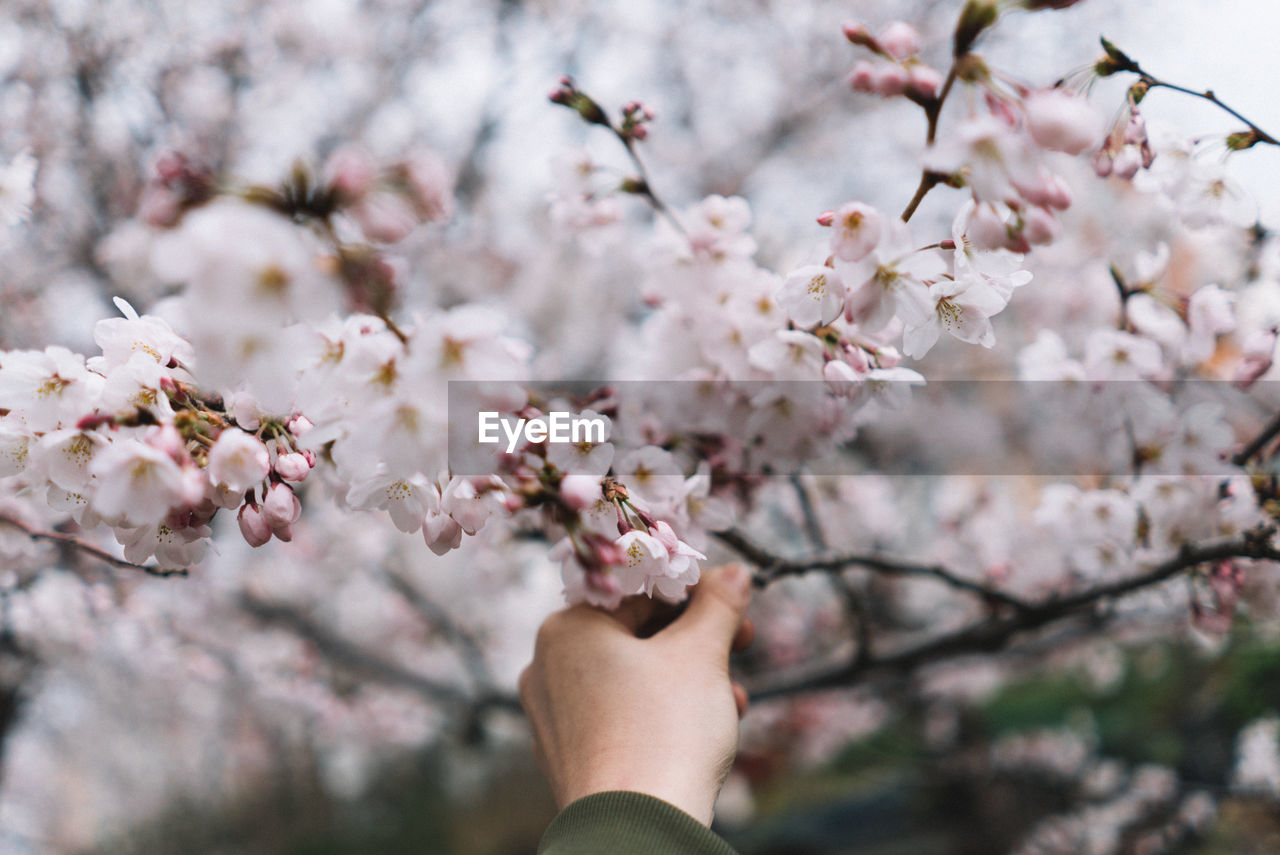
(622, 823)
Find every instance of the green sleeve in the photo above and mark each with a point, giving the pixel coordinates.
(623, 823)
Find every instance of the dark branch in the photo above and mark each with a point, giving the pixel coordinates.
(994, 634)
(1258, 442)
(773, 567)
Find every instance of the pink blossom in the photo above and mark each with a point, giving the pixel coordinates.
(812, 295)
(238, 460)
(578, 490)
(855, 231)
(135, 483)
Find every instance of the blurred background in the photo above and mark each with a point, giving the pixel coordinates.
(293, 700)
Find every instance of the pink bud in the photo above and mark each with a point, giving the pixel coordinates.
(167, 440)
(1040, 226)
(862, 77)
(253, 525)
(602, 583)
(888, 356)
(384, 218)
(1102, 163)
(891, 80)
(1039, 190)
(1061, 122)
(1127, 163)
(1258, 350)
(826, 218)
(666, 535)
(986, 229)
(1059, 193)
(299, 426)
(283, 532)
(292, 466)
(244, 409)
(281, 505)
(841, 377)
(924, 81)
(350, 172)
(579, 491)
(900, 40)
(857, 33)
(857, 358)
(1135, 130)
(430, 185)
(159, 206)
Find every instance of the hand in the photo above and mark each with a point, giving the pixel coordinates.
(659, 715)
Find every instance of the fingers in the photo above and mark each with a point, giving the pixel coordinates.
(740, 699)
(716, 610)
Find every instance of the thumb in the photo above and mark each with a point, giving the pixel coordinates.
(716, 609)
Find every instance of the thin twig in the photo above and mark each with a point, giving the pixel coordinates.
(1208, 95)
(88, 549)
(645, 187)
(928, 178)
(812, 525)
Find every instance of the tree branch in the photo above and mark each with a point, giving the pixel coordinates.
(774, 567)
(994, 634)
(1259, 442)
(346, 654)
(469, 650)
(79, 545)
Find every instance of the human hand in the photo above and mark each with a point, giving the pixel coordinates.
(613, 711)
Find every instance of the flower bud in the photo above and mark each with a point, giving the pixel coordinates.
(1127, 163)
(253, 525)
(350, 172)
(1061, 122)
(890, 80)
(924, 81)
(976, 16)
(1040, 226)
(299, 425)
(862, 77)
(857, 33)
(986, 229)
(281, 506)
(292, 466)
(900, 40)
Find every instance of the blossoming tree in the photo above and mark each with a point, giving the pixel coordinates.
(295, 386)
